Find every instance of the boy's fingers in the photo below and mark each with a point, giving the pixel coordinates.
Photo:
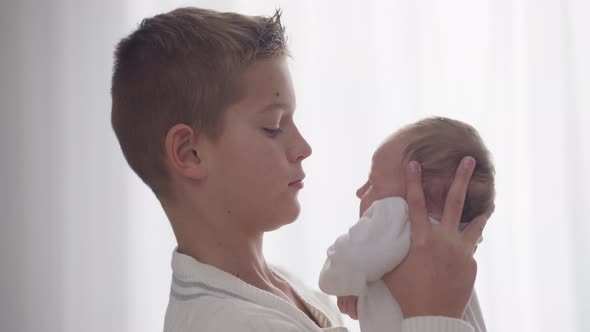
(456, 196)
(415, 198)
(473, 231)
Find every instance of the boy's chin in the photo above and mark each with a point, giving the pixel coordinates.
(288, 217)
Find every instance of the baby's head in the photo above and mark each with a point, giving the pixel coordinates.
(439, 145)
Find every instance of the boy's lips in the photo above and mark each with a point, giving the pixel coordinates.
(297, 183)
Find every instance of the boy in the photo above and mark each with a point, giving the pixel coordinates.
(358, 260)
(203, 110)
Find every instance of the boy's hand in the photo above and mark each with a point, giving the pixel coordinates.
(437, 276)
(348, 305)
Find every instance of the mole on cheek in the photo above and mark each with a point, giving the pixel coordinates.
(277, 94)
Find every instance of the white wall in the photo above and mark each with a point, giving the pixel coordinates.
(62, 178)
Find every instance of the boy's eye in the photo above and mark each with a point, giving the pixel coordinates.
(272, 132)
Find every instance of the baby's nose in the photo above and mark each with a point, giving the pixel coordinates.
(361, 191)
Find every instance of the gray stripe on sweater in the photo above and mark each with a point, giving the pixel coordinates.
(188, 297)
(201, 285)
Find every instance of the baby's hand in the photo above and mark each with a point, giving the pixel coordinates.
(348, 305)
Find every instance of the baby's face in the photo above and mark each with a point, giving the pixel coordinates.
(387, 175)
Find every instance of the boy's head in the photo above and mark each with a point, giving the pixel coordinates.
(183, 67)
(203, 108)
(439, 145)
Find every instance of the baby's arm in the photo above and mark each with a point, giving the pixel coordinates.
(372, 247)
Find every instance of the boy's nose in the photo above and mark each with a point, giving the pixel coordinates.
(300, 150)
(306, 149)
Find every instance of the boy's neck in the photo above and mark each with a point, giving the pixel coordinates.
(214, 241)
(244, 259)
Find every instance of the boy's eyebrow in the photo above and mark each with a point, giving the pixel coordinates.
(276, 106)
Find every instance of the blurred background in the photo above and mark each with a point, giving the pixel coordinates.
(85, 246)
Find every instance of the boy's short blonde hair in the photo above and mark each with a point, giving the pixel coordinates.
(183, 67)
(439, 144)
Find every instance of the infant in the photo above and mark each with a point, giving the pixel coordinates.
(380, 240)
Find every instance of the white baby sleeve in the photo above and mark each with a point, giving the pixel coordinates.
(377, 243)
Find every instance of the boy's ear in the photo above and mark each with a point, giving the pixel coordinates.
(182, 154)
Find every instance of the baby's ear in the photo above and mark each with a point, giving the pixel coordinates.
(182, 154)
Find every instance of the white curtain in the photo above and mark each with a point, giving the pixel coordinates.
(84, 246)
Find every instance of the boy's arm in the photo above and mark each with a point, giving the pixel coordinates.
(472, 321)
(473, 314)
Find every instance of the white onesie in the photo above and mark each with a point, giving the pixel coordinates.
(357, 261)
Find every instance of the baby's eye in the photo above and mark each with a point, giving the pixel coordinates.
(272, 132)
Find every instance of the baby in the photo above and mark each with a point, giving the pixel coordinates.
(380, 240)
